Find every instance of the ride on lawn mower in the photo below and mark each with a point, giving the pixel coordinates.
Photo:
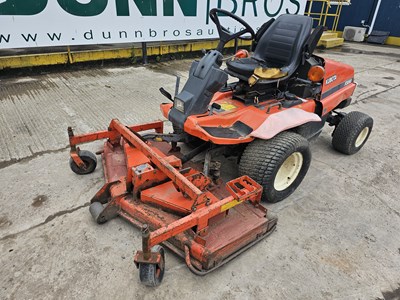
(283, 96)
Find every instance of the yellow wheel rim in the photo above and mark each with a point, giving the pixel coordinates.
(362, 137)
(288, 171)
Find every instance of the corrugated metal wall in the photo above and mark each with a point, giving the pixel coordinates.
(388, 18)
(357, 11)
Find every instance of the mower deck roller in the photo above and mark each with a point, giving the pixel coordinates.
(205, 222)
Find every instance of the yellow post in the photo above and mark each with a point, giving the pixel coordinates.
(70, 60)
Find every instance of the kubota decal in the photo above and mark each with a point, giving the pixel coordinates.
(336, 88)
(331, 79)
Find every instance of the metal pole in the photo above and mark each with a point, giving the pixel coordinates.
(178, 80)
(144, 53)
(378, 5)
(145, 242)
(236, 46)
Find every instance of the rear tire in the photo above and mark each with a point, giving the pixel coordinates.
(279, 164)
(352, 132)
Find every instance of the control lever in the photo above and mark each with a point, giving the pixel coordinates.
(166, 94)
(303, 81)
(292, 100)
(290, 96)
(308, 82)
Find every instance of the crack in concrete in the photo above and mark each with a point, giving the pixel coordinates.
(387, 205)
(366, 92)
(376, 94)
(373, 68)
(346, 49)
(48, 219)
(5, 164)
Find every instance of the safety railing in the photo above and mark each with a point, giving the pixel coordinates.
(322, 10)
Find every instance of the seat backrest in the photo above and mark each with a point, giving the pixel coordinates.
(283, 43)
(260, 32)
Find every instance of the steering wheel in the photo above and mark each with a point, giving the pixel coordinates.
(224, 34)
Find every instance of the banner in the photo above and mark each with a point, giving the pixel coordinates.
(46, 23)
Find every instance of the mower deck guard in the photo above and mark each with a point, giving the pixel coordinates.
(206, 223)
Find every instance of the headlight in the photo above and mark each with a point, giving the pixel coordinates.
(316, 74)
(179, 105)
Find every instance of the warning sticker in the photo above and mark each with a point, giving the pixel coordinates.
(229, 205)
(227, 106)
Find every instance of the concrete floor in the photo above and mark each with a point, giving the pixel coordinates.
(337, 237)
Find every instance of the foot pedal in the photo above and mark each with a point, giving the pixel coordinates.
(244, 188)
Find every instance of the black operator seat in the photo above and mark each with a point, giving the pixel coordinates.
(281, 46)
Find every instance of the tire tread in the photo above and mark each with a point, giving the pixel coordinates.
(347, 131)
(261, 157)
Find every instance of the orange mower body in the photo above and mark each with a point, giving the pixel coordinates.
(282, 98)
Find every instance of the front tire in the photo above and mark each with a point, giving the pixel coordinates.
(279, 164)
(90, 161)
(151, 274)
(352, 132)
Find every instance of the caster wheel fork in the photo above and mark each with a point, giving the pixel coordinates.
(90, 161)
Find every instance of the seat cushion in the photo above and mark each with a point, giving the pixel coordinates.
(243, 66)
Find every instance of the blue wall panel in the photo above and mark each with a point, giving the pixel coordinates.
(388, 18)
(357, 11)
